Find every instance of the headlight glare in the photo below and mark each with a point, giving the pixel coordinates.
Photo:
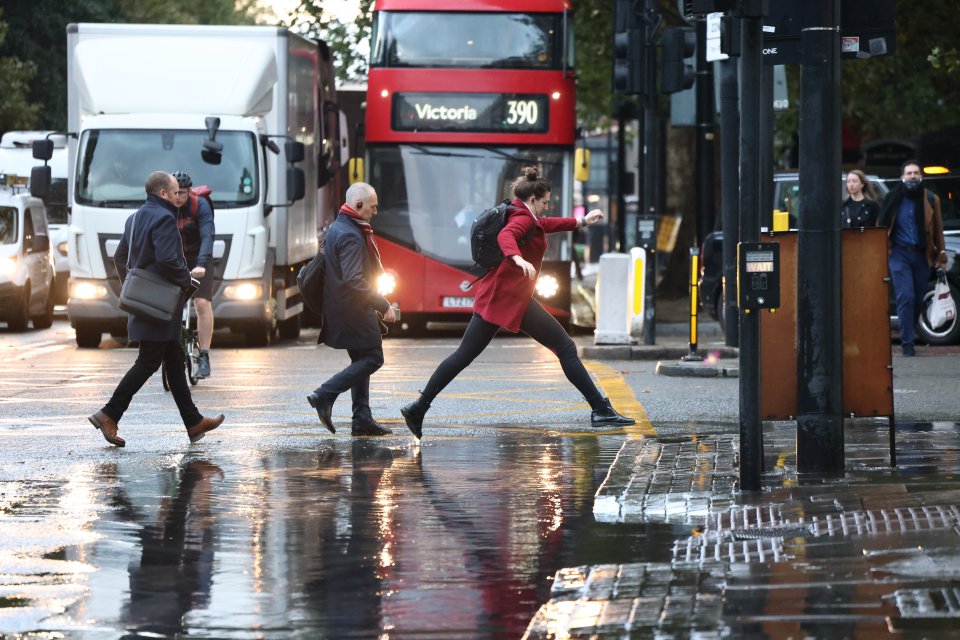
(244, 291)
(386, 283)
(87, 291)
(8, 265)
(547, 286)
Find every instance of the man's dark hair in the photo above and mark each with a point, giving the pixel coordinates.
(906, 164)
(156, 181)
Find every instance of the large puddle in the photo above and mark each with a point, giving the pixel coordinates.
(457, 538)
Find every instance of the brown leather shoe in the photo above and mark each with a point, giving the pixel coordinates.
(108, 428)
(200, 429)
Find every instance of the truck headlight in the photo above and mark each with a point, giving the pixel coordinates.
(243, 291)
(8, 266)
(547, 286)
(386, 283)
(87, 291)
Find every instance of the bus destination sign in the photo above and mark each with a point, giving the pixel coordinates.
(471, 112)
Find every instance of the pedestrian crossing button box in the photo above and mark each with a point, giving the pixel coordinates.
(758, 275)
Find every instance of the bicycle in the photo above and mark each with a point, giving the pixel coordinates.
(190, 343)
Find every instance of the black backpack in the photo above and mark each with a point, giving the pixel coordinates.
(310, 280)
(484, 248)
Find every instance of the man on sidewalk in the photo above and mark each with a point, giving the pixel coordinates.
(351, 305)
(914, 225)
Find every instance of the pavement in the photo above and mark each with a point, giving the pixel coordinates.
(872, 552)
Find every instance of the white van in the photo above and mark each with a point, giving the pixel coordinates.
(26, 266)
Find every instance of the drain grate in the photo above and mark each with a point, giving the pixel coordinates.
(771, 532)
(929, 603)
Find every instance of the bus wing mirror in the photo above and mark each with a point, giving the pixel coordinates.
(356, 170)
(296, 184)
(40, 179)
(581, 165)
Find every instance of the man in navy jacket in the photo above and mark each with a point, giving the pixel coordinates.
(152, 242)
(350, 308)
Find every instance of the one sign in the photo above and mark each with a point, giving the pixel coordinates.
(471, 112)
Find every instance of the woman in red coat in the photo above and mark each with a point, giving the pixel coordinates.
(504, 298)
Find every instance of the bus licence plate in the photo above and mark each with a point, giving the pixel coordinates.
(457, 303)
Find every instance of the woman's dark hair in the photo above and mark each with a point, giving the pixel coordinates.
(530, 184)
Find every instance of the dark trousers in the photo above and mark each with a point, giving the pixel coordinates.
(536, 323)
(152, 353)
(909, 273)
(356, 377)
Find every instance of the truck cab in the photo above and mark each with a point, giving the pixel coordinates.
(26, 265)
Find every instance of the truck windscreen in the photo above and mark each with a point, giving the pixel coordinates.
(115, 163)
(465, 40)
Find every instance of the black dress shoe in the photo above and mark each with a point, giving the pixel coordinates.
(413, 414)
(368, 427)
(607, 415)
(324, 411)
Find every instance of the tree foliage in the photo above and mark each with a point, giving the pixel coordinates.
(347, 41)
(915, 90)
(16, 111)
(37, 35)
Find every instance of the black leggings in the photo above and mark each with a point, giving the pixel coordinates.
(536, 323)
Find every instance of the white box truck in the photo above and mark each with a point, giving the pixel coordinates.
(249, 112)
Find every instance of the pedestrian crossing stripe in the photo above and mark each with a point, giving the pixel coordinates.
(615, 387)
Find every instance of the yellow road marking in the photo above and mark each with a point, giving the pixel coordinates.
(621, 396)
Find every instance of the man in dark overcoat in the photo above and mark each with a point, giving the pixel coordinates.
(151, 241)
(350, 308)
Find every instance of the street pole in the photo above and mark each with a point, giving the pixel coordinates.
(621, 177)
(819, 313)
(766, 147)
(730, 194)
(706, 114)
(648, 158)
(751, 437)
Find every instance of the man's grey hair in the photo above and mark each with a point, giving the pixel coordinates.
(156, 181)
(359, 191)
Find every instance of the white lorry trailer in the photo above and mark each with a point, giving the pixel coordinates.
(249, 112)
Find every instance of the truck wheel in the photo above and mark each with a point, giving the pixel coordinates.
(258, 335)
(88, 336)
(21, 312)
(289, 328)
(45, 319)
(949, 333)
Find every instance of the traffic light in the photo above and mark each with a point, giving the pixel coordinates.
(627, 48)
(677, 70)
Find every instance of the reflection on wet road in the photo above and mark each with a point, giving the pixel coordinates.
(458, 538)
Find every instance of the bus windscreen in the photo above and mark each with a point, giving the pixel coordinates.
(450, 39)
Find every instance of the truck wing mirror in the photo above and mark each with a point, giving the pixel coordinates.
(296, 184)
(40, 179)
(43, 149)
(294, 151)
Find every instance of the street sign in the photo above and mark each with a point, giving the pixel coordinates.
(713, 38)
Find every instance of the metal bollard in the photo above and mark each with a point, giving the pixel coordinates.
(694, 305)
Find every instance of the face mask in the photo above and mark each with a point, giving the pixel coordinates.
(911, 185)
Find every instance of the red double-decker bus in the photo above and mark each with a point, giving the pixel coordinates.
(460, 97)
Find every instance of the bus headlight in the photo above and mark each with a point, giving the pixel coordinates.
(244, 291)
(547, 286)
(8, 266)
(386, 283)
(87, 291)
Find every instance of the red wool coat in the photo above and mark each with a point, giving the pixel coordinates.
(503, 295)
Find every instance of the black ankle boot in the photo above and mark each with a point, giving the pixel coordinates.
(413, 414)
(605, 414)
